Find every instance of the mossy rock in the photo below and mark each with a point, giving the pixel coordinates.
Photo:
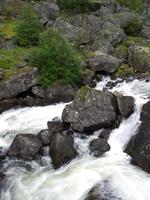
(133, 26)
(124, 71)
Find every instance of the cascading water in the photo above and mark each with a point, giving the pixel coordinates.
(73, 181)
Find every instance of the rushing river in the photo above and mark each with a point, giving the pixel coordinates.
(73, 181)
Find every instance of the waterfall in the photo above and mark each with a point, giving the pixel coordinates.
(73, 181)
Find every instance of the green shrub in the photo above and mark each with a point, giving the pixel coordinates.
(56, 60)
(28, 28)
(133, 27)
(74, 4)
(136, 5)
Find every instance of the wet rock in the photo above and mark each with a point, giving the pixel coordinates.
(104, 63)
(2, 179)
(18, 84)
(103, 191)
(105, 134)
(139, 146)
(91, 110)
(44, 137)
(139, 58)
(125, 105)
(61, 149)
(25, 146)
(98, 147)
(94, 193)
(8, 104)
(55, 126)
(60, 93)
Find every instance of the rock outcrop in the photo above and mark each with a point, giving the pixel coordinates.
(91, 110)
(18, 84)
(139, 146)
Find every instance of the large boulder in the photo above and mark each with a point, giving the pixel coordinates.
(125, 105)
(91, 110)
(139, 58)
(61, 149)
(106, 39)
(25, 146)
(18, 83)
(139, 146)
(98, 147)
(104, 63)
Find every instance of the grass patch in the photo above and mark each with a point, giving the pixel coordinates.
(10, 58)
(124, 71)
(7, 28)
(135, 5)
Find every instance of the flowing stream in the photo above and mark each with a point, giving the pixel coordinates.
(33, 181)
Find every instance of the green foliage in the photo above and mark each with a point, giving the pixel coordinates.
(133, 27)
(28, 28)
(124, 71)
(7, 29)
(10, 58)
(56, 60)
(136, 5)
(80, 5)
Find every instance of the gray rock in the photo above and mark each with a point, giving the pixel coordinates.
(38, 91)
(139, 58)
(108, 38)
(139, 146)
(44, 137)
(8, 104)
(98, 147)
(104, 63)
(91, 110)
(48, 11)
(125, 105)
(94, 193)
(61, 149)
(70, 32)
(60, 93)
(25, 146)
(18, 84)
(55, 126)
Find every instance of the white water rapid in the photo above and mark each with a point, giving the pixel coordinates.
(73, 181)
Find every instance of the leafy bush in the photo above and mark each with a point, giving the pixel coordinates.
(136, 5)
(56, 60)
(74, 4)
(28, 28)
(133, 27)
